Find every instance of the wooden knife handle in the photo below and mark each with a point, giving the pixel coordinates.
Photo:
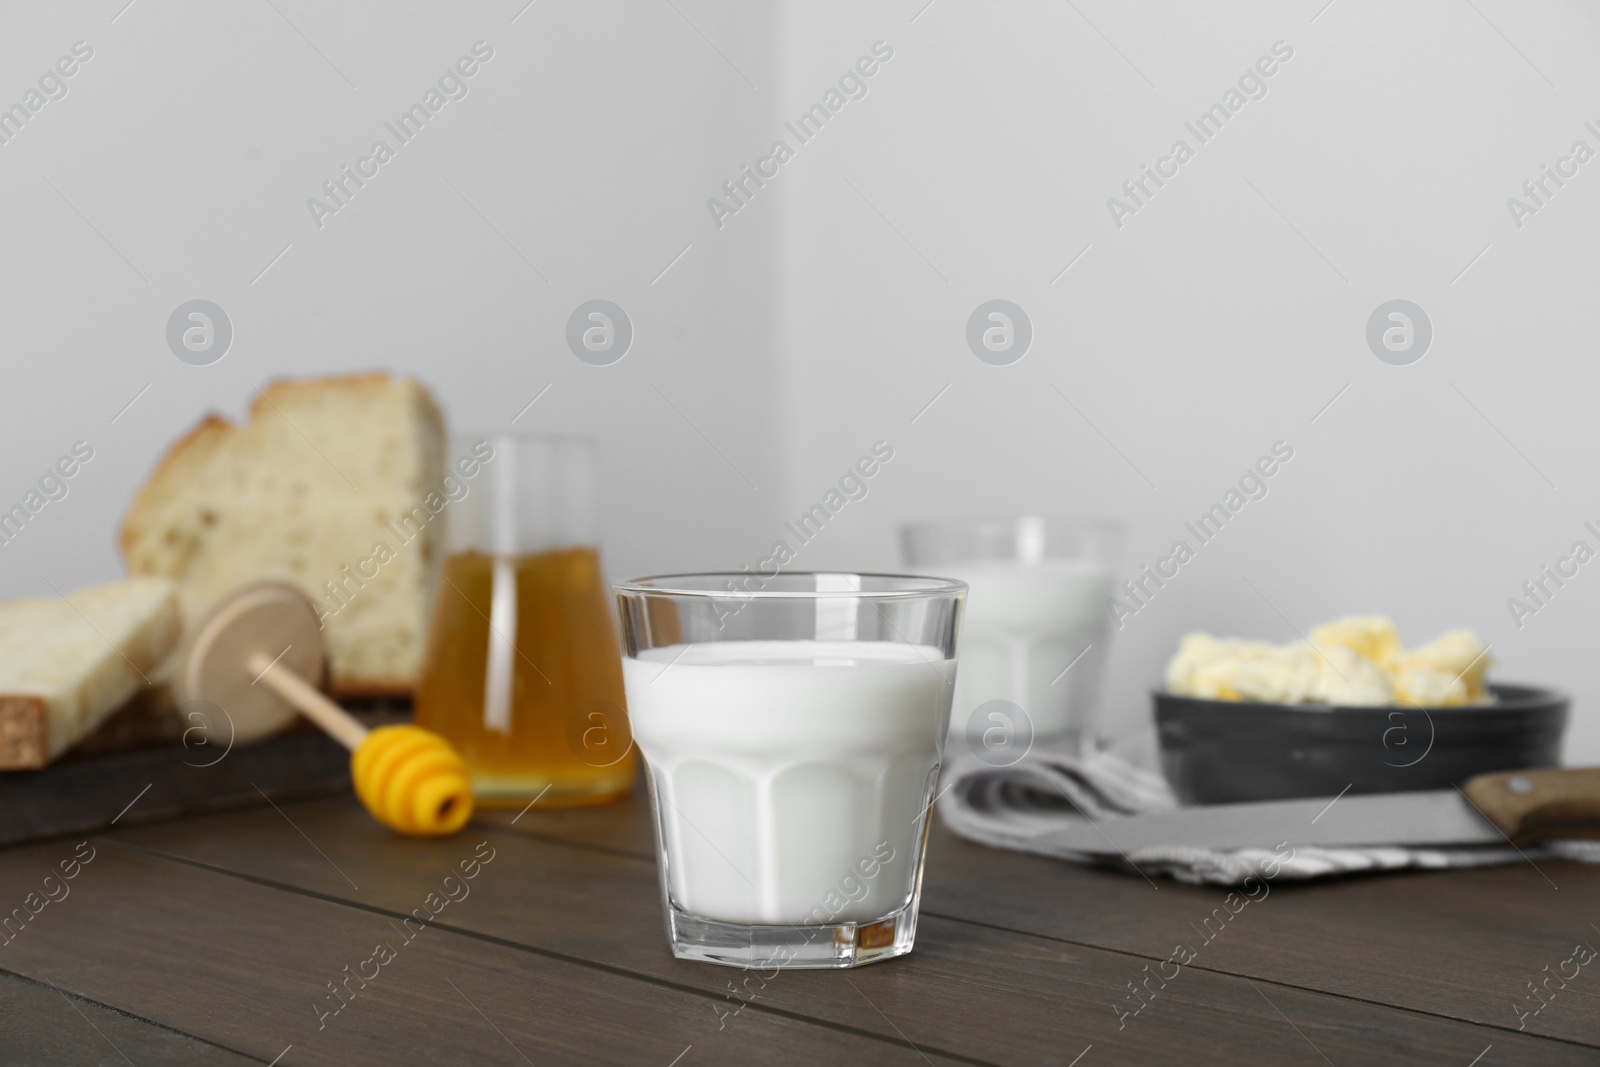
(1540, 805)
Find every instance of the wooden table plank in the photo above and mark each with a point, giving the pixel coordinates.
(1485, 933)
(968, 990)
(39, 1024)
(89, 790)
(245, 966)
(1460, 944)
(623, 826)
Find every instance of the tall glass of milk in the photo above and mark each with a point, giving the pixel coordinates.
(792, 726)
(1036, 630)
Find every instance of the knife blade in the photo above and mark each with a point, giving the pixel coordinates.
(1492, 809)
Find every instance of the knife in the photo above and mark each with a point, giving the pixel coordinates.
(1516, 806)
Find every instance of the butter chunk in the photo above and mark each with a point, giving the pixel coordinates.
(1358, 660)
(1374, 637)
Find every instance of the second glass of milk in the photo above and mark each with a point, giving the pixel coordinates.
(793, 727)
(1036, 628)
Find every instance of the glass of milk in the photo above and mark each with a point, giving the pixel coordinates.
(792, 726)
(1034, 641)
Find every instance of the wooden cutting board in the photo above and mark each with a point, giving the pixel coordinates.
(138, 772)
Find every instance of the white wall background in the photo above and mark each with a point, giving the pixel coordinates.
(827, 314)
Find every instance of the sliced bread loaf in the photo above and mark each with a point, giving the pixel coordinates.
(68, 662)
(326, 486)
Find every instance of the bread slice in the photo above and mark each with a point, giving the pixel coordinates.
(67, 663)
(323, 473)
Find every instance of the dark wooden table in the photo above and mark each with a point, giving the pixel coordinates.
(214, 939)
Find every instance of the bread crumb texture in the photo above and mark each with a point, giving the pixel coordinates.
(70, 661)
(321, 473)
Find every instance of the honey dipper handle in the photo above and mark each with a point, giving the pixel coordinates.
(340, 724)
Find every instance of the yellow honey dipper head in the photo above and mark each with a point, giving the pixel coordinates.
(257, 654)
(412, 781)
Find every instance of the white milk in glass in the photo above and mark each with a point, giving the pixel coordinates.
(1023, 625)
(791, 776)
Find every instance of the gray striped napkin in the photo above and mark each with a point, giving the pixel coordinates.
(1015, 807)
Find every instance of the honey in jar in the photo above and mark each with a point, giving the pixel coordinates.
(522, 669)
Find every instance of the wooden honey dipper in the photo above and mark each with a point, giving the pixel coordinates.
(251, 654)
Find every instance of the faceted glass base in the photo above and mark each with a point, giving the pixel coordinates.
(800, 947)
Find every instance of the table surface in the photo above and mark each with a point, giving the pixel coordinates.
(216, 939)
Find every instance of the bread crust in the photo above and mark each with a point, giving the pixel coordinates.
(283, 386)
(200, 434)
(211, 432)
(213, 425)
(24, 732)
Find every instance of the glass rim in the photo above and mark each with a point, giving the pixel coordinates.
(917, 586)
